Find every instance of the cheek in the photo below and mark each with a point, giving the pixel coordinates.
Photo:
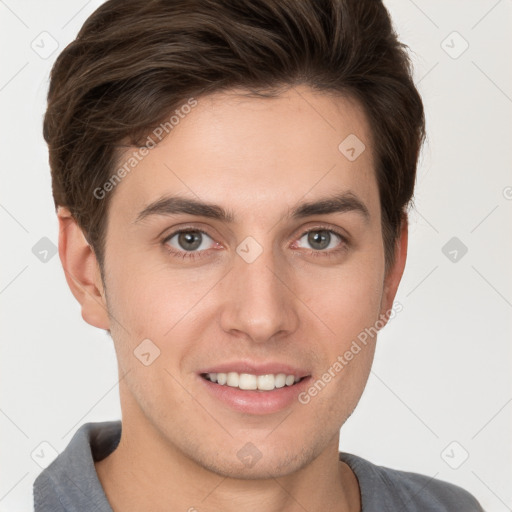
(347, 299)
(349, 306)
(350, 313)
(359, 302)
(154, 302)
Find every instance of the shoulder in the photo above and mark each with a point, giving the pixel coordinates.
(384, 489)
(70, 482)
(45, 494)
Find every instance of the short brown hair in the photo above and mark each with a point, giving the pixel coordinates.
(135, 61)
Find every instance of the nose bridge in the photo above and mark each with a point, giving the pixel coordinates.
(259, 303)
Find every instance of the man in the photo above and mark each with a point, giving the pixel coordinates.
(231, 180)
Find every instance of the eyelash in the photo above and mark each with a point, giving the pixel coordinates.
(192, 255)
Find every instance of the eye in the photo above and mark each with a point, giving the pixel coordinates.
(324, 240)
(191, 243)
(186, 243)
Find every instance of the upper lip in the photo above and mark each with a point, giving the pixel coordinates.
(257, 368)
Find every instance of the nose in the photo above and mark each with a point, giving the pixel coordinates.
(259, 302)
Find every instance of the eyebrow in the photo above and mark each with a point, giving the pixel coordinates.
(337, 203)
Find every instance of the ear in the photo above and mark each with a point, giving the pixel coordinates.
(82, 270)
(395, 272)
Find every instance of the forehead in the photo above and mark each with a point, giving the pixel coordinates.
(256, 155)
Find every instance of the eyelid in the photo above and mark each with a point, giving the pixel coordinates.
(320, 226)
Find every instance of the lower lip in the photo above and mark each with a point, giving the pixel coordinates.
(256, 402)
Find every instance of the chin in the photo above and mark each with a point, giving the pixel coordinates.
(251, 463)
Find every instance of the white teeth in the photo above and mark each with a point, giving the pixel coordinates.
(249, 381)
(280, 380)
(233, 379)
(290, 379)
(266, 382)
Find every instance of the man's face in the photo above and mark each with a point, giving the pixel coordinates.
(254, 295)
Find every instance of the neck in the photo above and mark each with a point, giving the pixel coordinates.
(144, 473)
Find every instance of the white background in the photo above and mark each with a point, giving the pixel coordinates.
(442, 370)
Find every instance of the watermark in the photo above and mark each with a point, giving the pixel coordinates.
(44, 250)
(249, 455)
(351, 147)
(44, 45)
(455, 455)
(44, 454)
(146, 352)
(137, 156)
(249, 249)
(454, 45)
(344, 359)
(454, 249)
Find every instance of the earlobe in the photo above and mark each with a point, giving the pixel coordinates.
(82, 270)
(394, 274)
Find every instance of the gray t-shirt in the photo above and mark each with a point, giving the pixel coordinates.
(70, 482)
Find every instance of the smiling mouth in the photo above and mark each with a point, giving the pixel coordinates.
(248, 381)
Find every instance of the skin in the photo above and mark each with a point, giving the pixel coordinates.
(257, 157)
